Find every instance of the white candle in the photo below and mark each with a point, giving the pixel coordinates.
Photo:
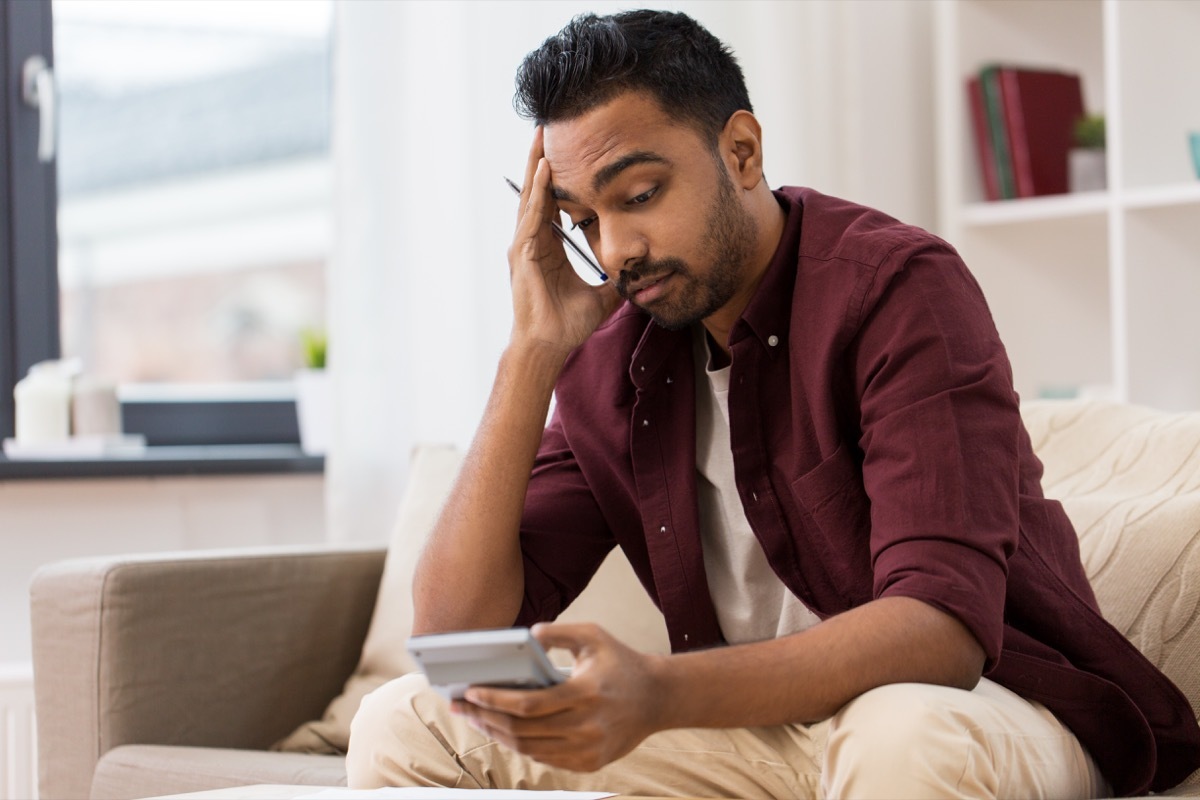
(43, 405)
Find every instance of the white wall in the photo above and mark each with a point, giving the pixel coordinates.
(844, 91)
(45, 521)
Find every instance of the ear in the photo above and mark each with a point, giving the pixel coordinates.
(741, 147)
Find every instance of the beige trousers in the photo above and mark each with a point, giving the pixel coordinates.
(900, 741)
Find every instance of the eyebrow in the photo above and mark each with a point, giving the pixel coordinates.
(610, 172)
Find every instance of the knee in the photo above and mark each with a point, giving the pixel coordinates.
(380, 723)
(903, 740)
(377, 713)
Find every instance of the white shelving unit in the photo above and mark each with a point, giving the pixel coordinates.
(1096, 291)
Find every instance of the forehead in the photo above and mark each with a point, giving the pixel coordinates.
(630, 126)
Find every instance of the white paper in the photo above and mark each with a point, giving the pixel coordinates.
(426, 793)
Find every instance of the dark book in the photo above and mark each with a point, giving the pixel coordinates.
(983, 140)
(1041, 108)
(993, 102)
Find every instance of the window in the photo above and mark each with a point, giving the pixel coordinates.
(28, 280)
(188, 207)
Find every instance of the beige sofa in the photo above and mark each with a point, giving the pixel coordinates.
(175, 673)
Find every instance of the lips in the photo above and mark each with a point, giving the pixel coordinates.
(647, 291)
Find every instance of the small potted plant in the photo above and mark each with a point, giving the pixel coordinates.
(314, 394)
(1087, 159)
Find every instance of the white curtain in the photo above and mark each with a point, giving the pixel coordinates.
(424, 130)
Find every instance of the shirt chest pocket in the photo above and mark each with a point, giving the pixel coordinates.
(837, 516)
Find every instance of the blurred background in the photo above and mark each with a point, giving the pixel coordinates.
(232, 175)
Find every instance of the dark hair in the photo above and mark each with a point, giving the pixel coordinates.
(693, 76)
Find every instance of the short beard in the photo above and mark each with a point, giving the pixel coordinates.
(730, 237)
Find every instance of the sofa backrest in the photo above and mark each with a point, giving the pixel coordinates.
(1129, 479)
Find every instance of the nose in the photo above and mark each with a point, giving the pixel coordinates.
(618, 245)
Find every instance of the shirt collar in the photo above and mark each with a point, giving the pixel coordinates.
(769, 311)
(766, 315)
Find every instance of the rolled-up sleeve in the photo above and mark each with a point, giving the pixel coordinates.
(564, 537)
(940, 426)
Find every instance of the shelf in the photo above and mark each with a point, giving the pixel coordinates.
(1033, 209)
(1179, 194)
(1066, 206)
(246, 459)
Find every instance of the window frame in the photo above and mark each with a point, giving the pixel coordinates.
(29, 293)
(29, 330)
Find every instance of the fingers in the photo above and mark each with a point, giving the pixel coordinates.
(536, 153)
(564, 740)
(592, 718)
(580, 639)
(510, 720)
(536, 206)
(541, 204)
(535, 209)
(579, 751)
(525, 719)
(521, 703)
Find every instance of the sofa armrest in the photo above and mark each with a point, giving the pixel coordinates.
(218, 648)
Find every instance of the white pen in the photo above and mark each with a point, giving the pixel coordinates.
(566, 239)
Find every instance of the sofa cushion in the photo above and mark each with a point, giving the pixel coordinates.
(1129, 479)
(614, 598)
(144, 770)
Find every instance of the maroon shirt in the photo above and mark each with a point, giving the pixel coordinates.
(879, 452)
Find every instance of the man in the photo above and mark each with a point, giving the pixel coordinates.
(800, 427)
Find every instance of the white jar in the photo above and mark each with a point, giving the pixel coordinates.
(95, 410)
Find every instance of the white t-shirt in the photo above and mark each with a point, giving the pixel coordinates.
(752, 603)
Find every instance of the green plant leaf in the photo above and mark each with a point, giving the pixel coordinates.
(1090, 132)
(315, 343)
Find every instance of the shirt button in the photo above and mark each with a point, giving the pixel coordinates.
(668, 379)
(663, 529)
(642, 368)
(645, 423)
(772, 340)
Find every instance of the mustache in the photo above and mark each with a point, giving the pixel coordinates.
(648, 270)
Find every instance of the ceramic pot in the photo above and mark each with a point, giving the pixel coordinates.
(1088, 172)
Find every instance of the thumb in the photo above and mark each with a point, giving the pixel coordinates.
(578, 637)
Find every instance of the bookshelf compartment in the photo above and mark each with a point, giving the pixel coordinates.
(1163, 318)
(1047, 284)
(1031, 33)
(1159, 55)
(1037, 33)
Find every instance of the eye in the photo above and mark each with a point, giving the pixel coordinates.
(643, 197)
(583, 224)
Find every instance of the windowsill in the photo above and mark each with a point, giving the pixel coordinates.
(234, 459)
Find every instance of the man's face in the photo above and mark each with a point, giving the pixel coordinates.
(657, 207)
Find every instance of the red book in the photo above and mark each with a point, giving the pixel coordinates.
(1041, 108)
(983, 140)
